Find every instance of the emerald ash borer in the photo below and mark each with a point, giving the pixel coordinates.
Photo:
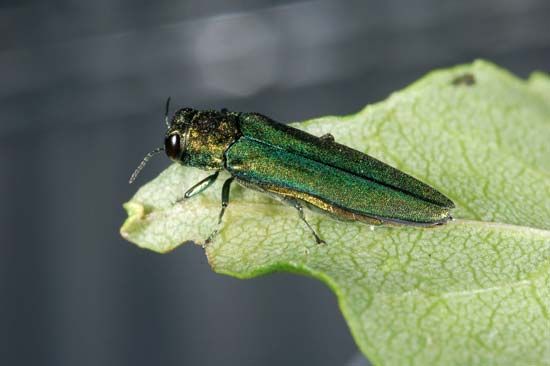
(298, 168)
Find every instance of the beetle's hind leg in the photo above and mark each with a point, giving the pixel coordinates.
(297, 205)
(225, 201)
(327, 137)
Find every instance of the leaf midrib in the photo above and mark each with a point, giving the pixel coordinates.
(257, 206)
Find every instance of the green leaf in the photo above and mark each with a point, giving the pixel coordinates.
(473, 292)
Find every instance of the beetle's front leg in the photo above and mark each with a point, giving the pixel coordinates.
(200, 186)
(225, 202)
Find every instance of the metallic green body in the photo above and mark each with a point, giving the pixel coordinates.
(271, 157)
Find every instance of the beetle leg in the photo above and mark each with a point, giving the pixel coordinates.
(327, 137)
(225, 197)
(302, 216)
(200, 186)
(225, 202)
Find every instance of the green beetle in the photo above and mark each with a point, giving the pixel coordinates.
(298, 168)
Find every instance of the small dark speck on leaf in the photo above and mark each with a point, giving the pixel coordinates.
(466, 79)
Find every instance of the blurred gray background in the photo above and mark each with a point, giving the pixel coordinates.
(82, 87)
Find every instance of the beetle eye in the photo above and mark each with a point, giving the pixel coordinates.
(172, 146)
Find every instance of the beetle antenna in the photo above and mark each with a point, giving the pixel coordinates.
(143, 162)
(166, 110)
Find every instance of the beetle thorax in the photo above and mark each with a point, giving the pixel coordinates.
(208, 137)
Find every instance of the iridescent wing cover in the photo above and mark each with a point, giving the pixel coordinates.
(335, 178)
